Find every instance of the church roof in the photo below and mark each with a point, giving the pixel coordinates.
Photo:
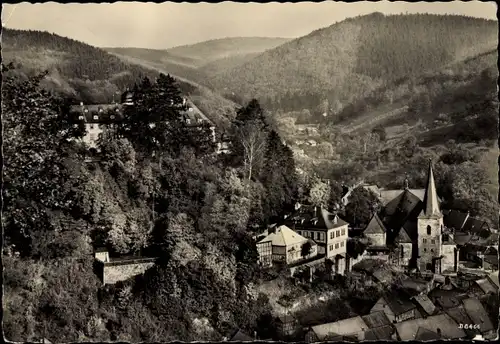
(403, 237)
(375, 226)
(399, 210)
(455, 219)
(431, 201)
(284, 236)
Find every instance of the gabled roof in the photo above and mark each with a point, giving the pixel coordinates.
(473, 225)
(403, 237)
(486, 286)
(388, 195)
(431, 201)
(462, 238)
(455, 219)
(379, 333)
(407, 330)
(493, 277)
(96, 113)
(240, 336)
(424, 335)
(284, 236)
(375, 226)
(398, 301)
(314, 218)
(376, 319)
(478, 314)
(402, 209)
(345, 327)
(425, 303)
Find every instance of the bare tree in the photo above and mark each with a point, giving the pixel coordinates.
(253, 141)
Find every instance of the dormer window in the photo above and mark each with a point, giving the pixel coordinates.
(86, 110)
(80, 118)
(96, 117)
(188, 121)
(190, 109)
(100, 110)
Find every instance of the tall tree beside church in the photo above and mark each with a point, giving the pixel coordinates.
(36, 149)
(279, 177)
(362, 204)
(249, 138)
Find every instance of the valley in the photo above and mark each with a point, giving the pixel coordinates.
(253, 187)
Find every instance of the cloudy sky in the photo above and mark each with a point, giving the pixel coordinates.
(159, 26)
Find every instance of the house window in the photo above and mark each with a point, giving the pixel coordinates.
(432, 250)
(337, 245)
(331, 247)
(300, 232)
(425, 250)
(317, 235)
(428, 230)
(91, 126)
(322, 236)
(332, 235)
(338, 233)
(433, 241)
(401, 248)
(342, 244)
(343, 231)
(424, 240)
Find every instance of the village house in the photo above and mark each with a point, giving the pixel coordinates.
(479, 317)
(425, 305)
(327, 230)
(397, 306)
(442, 325)
(484, 286)
(351, 327)
(286, 325)
(100, 117)
(284, 246)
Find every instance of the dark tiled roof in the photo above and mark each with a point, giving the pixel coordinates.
(379, 333)
(402, 205)
(314, 218)
(455, 219)
(462, 238)
(445, 298)
(424, 335)
(474, 225)
(376, 319)
(99, 113)
(403, 237)
(478, 314)
(375, 226)
(425, 304)
(240, 336)
(460, 316)
(411, 229)
(399, 301)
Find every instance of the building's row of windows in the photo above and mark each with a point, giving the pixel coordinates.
(337, 233)
(95, 117)
(308, 234)
(337, 245)
(433, 241)
(425, 250)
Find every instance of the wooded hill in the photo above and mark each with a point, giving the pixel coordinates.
(345, 61)
(89, 74)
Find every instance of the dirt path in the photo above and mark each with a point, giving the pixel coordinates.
(364, 122)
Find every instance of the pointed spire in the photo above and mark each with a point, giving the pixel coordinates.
(431, 203)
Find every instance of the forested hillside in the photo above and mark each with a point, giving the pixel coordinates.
(347, 60)
(57, 209)
(92, 75)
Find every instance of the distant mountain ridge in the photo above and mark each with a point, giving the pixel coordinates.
(351, 58)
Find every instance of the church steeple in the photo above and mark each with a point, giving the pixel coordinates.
(431, 203)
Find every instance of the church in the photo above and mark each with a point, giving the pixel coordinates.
(414, 227)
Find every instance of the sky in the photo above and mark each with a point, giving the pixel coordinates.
(165, 25)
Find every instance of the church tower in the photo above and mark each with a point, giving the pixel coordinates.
(430, 227)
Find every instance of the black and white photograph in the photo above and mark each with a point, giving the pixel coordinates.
(243, 172)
